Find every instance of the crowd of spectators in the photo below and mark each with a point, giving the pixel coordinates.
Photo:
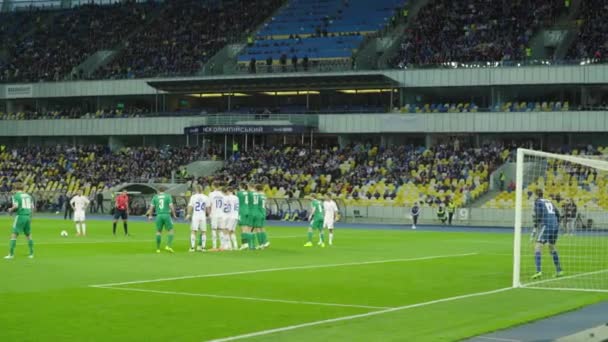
(592, 40)
(54, 168)
(366, 171)
(64, 39)
(186, 35)
(75, 113)
(471, 31)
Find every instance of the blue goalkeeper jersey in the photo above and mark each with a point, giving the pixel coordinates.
(546, 214)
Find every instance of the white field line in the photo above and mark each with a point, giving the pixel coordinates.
(278, 269)
(565, 289)
(132, 241)
(364, 315)
(563, 278)
(489, 338)
(245, 298)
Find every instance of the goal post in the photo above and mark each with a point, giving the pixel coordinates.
(576, 189)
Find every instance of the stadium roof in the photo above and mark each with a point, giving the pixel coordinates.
(278, 82)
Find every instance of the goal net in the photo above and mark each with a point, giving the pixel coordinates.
(575, 188)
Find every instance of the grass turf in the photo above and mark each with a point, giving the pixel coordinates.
(50, 299)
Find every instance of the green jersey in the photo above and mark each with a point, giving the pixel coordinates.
(258, 205)
(317, 206)
(249, 196)
(162, 204)
(24, 204)
(243, 202)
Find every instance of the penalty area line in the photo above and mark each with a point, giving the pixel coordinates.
(352, 317)
(278, 269)
(255, 299)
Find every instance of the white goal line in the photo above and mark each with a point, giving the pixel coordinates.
(563, 278)
(352, 317)
(278, 269)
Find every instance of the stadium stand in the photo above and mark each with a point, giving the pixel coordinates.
(314, 30)
(92, 168)
(585, 186)
(64, 39)
(593, 33)
(509, 106)
(445, 31)
(185, 35)
(365, 174)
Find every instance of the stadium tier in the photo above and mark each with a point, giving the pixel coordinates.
(318, 30)
(185, 35)
(363, 174)
(63, 39)
(447, 31)
(90, 168)
(593, 32)
(561, 182)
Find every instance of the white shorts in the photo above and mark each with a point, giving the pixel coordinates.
(79, 216)
(199, 224)
(328, 223)
(217, 222)
(230, 223)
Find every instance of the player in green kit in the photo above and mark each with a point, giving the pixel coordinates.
(163, 203)
(22, 206)
(258, 213)
(316, 222)
(244, 217)
(251, 215)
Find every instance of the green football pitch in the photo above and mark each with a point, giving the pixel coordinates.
(372, 285)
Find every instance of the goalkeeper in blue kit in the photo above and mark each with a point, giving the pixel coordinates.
(546, 229)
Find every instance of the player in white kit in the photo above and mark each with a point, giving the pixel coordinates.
(331, 216)
(231, 212)
(217, 213)
(79, 204)
(198, 209)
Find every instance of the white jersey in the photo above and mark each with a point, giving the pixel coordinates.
(79, 203)
(199, 204)
(231, 206)
(217, 203)
(330, 209)
(231, 212)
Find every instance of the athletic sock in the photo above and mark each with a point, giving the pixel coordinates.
(114, 228)
(158, 241)
(322, 237)
(309, 236)
(170, 240)
(77, 228)
(192, 240)
(11, 246)
(124, 225)
(203, 240)
(220, 236)
(260, 238)
(235, 245)
(214, 238)
(558, 267)
(84, 228)
(331, 238)
(537, 261)
(30, 244)
(265, 237)
(252, 241)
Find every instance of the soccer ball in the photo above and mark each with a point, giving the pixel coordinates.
(64, 233)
